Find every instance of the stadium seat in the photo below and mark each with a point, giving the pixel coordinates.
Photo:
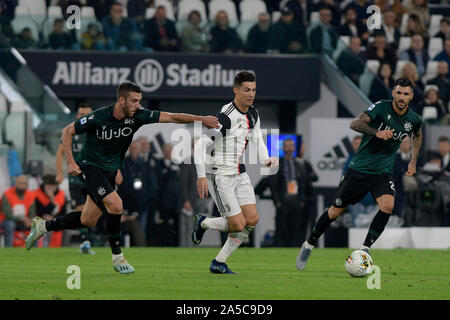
(404, 23)
(243, 29)
(435, 21)
(226, 5)
(170, 12)
(186, 6)
(315, 16)
(149, 13)
(276, 15)
(55, 11)
(22, 20)
(431, 70)
(87, 12)
(429, 113)
(404, 44)
(434, 47)
(250, 9)
(345, 39)
(373, 65)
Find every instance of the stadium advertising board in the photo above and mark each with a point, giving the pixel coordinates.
(331, 144)
(174, 75)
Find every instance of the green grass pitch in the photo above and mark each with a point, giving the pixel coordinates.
(183, 274)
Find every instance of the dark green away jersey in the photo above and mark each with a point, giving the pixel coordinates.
(376, 156)
(108, 139)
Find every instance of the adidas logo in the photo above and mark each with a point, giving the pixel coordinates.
(335, 158)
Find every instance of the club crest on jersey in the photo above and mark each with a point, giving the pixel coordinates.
(408, 126)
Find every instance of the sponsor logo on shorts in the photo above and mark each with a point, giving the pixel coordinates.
(101, 191)
(338, 202)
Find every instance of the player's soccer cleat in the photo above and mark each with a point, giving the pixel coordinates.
(365, 249)
(220, 267)
(197, 230)
(37, 231)
(303, 255)
(85, 247)
(122, 266)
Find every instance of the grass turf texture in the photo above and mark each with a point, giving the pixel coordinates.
(183, 273)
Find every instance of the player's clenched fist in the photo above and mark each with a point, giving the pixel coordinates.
(210, 122)
(385, 134)
(202, 187)
(74, 169)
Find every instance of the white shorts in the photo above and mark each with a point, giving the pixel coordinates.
(230, 192)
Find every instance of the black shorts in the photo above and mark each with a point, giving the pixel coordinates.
(77, 196)
(355, 185)
(98, 183)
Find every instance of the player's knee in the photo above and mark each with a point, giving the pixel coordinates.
(88, 221)
(115, 207)
(252, 221)
(387, 206)
(334, 213)
(236, 226)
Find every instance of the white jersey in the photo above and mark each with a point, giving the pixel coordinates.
(225, 146)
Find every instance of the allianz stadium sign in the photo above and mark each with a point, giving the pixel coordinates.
(174, 75)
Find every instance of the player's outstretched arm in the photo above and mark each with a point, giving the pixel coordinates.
(207, 121)
(67, 135)
(416, 144)
(59, 161)
(360, 124)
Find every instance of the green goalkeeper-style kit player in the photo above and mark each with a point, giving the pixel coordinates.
(109, 132)
(384, 125)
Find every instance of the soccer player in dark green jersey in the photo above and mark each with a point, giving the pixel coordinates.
(383, 125)
(109, 132)
(77, 196)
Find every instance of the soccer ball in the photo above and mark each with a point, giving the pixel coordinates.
(359, 264)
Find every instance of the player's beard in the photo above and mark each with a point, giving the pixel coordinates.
(405, 105)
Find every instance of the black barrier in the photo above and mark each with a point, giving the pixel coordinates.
(175, 75)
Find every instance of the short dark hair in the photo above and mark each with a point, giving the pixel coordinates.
(403, 82)
(443, 139)
(83, 105)
(127, 87)
(243, 76)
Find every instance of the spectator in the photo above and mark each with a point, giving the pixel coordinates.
(382, 87)
(352, 27)
(6, 30)
(161, 34)
(194, 38)
(334, 8)
(60, 39)
(25, 40)
(50, 203)
(9, 7)
(444, 151)
(410, 71)
(134, 192)
(417, 54)
(432, 100)
(93, 39)
(137, 8)
(289, 196)
(321, 37)
(390, 31)
(420, 8)
(18, 207)
(121, 32)
(442, 82)
(301, 9)
(400, 167)
(444, 29)
(444, 55)
(101, 7)
(379, 50)
(224, 39)
(169, 198)
(288, 35)
(395, 6)
(352, 60)
(258, 38)
(360, 6)
(414, 26)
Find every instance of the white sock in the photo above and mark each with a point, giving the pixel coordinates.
(233, 242)
(117, 257)
(220, 224)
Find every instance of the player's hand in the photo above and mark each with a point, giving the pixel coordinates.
(271, 162)
(385, 134)
(74, 169)
(210, 122)
(411, 169)
(202, 187)
(59, 178)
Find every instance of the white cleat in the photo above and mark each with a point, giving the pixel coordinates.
(37, 231)
(303, 255)
(122, 266)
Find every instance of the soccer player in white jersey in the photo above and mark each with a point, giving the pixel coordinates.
(224, 175)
